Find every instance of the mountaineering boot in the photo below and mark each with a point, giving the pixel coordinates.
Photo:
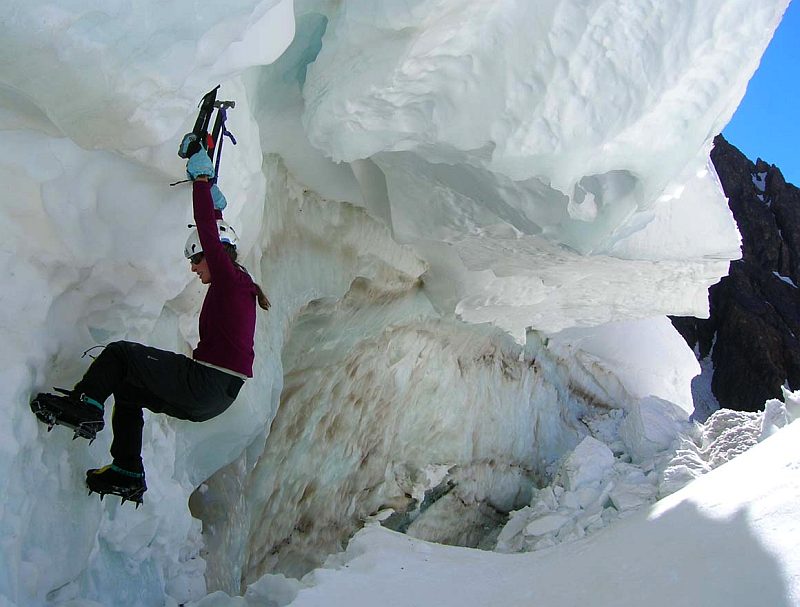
(77, 411)
(113, 479)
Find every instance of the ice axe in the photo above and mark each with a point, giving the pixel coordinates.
(200, 138)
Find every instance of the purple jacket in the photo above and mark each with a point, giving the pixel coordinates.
(228, 317)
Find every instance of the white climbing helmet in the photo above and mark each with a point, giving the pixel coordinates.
(226, 234)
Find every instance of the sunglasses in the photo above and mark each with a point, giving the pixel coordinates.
(196, 258)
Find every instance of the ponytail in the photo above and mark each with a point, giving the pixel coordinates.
(263, 302)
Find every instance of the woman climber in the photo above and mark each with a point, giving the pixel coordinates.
(140, 377)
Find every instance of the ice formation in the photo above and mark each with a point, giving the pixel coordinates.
(445, 200)
(728, 539)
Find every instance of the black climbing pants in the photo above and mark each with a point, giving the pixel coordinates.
(140, 378)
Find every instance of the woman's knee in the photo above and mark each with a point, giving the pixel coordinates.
(117, 349)
(122, 346)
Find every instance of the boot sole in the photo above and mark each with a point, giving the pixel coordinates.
(52, 414)
(128, 494)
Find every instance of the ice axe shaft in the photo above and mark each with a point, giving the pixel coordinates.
(204, 119)
(198, 138)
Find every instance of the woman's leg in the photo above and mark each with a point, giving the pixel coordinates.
(164, 382)
(127, 423)
(106, 373)
(141, 375)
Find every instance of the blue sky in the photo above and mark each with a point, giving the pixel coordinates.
(767, 123)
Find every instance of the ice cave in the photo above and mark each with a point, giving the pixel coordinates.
(472, 218)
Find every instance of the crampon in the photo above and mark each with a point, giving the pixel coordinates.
(79, 413)
(112, 480)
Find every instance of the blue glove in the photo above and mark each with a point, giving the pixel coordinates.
(199, 164)
(189, 146)
(218, 197)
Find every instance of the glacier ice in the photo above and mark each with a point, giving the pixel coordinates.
(726, 540)
(445, 201)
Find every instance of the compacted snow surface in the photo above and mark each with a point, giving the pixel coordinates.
(471, 218)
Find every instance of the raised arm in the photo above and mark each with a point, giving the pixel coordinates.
(205, 217)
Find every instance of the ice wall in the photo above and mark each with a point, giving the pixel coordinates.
(516, 140)
(450, 122)
(401, 167)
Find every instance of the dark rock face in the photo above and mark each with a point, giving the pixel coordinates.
(753, 330)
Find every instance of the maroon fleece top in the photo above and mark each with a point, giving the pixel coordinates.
(228, 317)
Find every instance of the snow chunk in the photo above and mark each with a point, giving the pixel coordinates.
(792, 402)
(588, 464)
(590, 490)
(631, 497)
(776, 416)
(651, 426)
(548, 523)
(725, 435)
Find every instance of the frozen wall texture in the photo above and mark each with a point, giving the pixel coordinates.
(429, 192)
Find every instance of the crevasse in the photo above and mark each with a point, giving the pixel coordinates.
(430, 193)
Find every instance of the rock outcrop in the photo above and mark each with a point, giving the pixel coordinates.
(752, 333)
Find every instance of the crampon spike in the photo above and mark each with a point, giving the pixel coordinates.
(52, 410)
